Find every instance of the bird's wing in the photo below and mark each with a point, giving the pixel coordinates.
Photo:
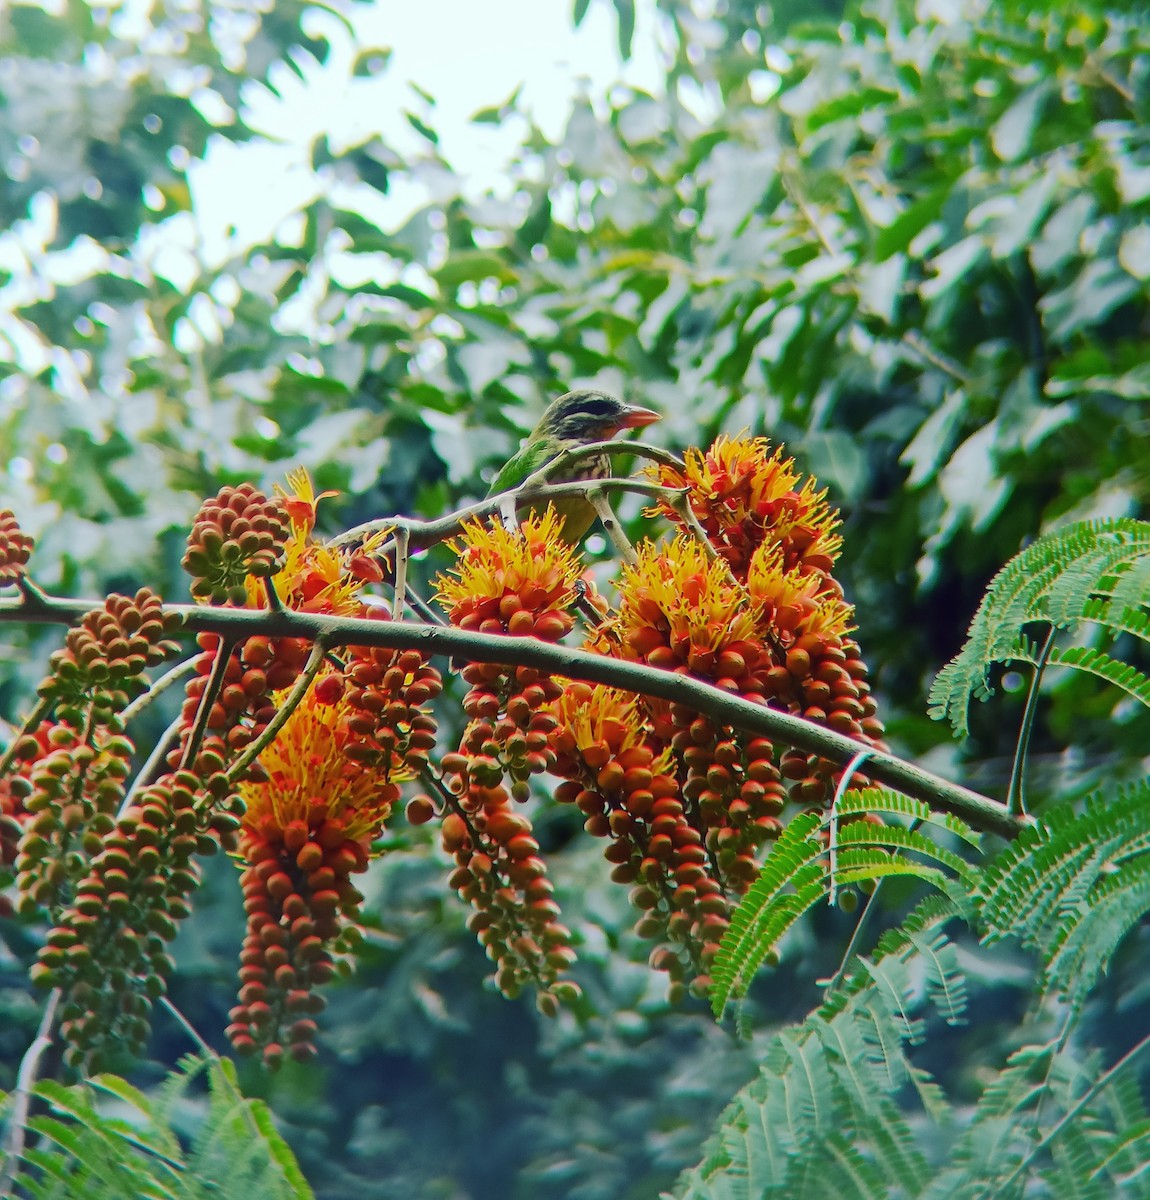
(515, 470)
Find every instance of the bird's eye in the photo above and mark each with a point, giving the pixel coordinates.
(599, 408)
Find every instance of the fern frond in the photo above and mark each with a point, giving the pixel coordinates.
(895, 837)
(766, 911)
(1072, 886)
(821, 1119)
(796, 874)
(1097, 662)
(895, 804)
(106, 1140)
(1053, 580)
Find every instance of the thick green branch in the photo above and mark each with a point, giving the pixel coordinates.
(235, 623)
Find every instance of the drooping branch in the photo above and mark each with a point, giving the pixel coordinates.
(234, 624)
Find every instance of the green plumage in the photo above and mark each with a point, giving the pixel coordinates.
(578, 418)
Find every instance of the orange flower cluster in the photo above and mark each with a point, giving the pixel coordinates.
(628, 792)
(777, 535)
(680, 609)
(322, 790)
(306, 830)
(745, 497)
(508, 582)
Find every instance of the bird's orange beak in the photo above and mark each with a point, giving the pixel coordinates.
(635, 417)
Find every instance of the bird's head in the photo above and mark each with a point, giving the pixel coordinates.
(587, 416)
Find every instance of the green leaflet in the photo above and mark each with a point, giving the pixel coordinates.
(1093, 571)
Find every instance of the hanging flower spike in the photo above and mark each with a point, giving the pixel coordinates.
(682, 611)
(519, 582)
(744, 496)
(817, 671)
(626, 789)
(305, 831)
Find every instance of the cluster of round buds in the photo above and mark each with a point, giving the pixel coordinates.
(243, 704)
(512, 581)
(308, 826)
(12, 794)
(108, 949)
(830, 676)
(15, 548)
(300, 902)
(104, 658)
(499, 872)
(734, 789)
(386, 718)
(627, 792)
(238, 533)
(71, 789)
(507, 734)
(744, 496)
(818, 672)
(682, 611)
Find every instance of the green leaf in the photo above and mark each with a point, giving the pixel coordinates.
(898, 235)
(1012, 133)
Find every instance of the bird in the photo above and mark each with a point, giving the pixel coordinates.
(577, 418)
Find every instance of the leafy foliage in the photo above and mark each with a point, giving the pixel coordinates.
(829, 1115)
(1073, 887)
(811, 857)
(106, 1138)
(1094, 572)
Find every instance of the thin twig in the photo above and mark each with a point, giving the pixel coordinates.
(31, 593)
(433, 780)
(149, 771)
(421, 608)
(422, 534)
(590, 614)
(611, 526)
(291, 702)
(273, 597)
(679, 499)
(1016, 791)
(402, 542)
(213, 1061)
(158, 687)
(188, 1028)
(22, 1095)
(39, 712)
(208, 699)
(575, 454)
(833, 826)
